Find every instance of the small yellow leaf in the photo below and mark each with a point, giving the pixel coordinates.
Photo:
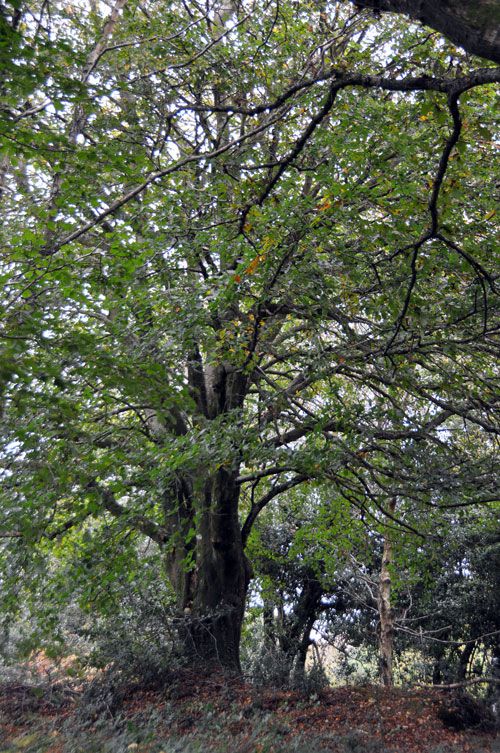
(253, 265)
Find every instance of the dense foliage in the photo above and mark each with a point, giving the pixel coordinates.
(248, 261)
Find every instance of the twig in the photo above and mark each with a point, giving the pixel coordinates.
(463, 684)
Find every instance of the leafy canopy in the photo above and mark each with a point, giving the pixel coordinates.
(295, 195)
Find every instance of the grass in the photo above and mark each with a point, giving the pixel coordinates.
(219, 717)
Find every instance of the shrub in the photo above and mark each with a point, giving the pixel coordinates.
(460, 711)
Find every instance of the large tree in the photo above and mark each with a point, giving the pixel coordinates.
(246, 247)
(472, 24)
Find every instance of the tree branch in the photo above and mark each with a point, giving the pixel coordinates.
(263, 501)
(139, 522)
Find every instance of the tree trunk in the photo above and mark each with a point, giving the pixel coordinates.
(206, 562)
(302, 622)
(437, 676)
(209, 572)
(386, 636)
(464, 659)
(493, 696)
(291, 636)
(270, 640)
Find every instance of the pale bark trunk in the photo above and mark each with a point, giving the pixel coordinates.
(386, 635)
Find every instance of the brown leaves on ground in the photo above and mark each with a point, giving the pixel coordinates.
(216, 709)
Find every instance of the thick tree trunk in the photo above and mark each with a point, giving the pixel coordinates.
(206, 562)
(471, 24)
(209, 572)
(211, 629)
(386, 636)
(221, 578)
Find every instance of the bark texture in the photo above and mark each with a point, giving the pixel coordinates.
(209, 571)
(206, 562)
(471, 24)
(386, 637)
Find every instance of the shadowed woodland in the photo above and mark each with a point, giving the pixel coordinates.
(249, 376)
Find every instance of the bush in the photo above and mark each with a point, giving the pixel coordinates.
(266, 666)
(138, 642)
(460, 711)
(270, 667)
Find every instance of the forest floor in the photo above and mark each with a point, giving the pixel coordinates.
(218, 715)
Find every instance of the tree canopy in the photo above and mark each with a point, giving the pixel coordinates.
(247, 248)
